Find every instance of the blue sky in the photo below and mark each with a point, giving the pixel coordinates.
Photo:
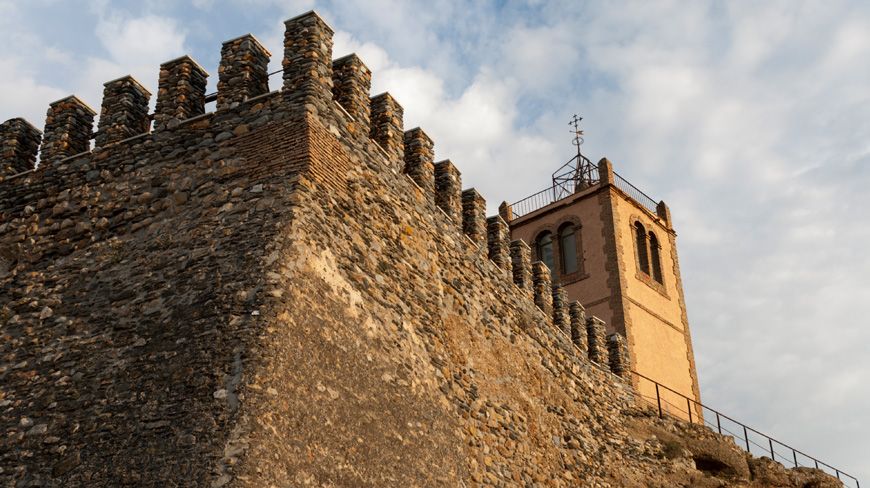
(750, 119)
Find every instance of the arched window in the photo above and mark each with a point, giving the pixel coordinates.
(654, 255)
(640, 244)
(568, 248)
(544, 248)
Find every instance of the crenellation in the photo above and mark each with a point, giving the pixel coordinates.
(19, 145)
(448, 190)
(308, 60)
(542, 288)
(664, 213)
(595, 334)
(124, 111)
(69, 123)
(474, 216)
(498, 238)
(561, 319)
(605, 171)
(521, 264)
(180, 92)
(351, 83)
(386, 127)
(419, 161)
(618, 359)
(243, 72)
(578, 326)
(506, 211)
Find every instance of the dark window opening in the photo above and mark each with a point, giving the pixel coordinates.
(642, 256)
(545, 250)
(654, 254)
(568, 249)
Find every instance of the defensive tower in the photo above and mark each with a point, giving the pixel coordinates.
(613, 249)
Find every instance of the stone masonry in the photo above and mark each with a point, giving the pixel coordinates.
(243, 72)
(351, 81)
(419, 160)
(578, 327)
(561, 319)
(596, 340)
(448, 190)
(20, 143)
(474, 216)
(68, 126)
(257, 296)
(521, 264)
(386, 125)
(180, 92)
(124, 111)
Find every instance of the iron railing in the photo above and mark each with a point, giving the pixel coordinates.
(576, 175)
(764, 443)
(635, 193)
(565, 187)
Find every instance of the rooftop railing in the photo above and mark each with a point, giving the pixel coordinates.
(634, 192)
(565, 188)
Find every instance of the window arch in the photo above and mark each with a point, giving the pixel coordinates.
(654, 252)
(640, 244)
(544, 250)
(568, 248)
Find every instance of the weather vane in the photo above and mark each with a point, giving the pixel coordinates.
(578, 173)
(578, 132)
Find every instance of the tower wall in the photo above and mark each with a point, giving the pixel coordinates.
(591, 284)
(610, 286)
(655, 322)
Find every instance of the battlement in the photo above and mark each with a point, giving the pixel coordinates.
(312, 81)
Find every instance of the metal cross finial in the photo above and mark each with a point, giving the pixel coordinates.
(578, 132)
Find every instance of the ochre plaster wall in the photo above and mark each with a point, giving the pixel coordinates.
(650, 314)
(589, 285)
(655, 325)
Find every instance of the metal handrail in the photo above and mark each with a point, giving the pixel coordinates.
(563, 188)
(746, 429)
(635, 192)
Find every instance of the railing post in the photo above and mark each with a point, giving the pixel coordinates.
(718, 423)
(659, 401)
(746, 436)
(772, 455)
(817, 462)
(794, 453)
(838, 473)
(689, 408)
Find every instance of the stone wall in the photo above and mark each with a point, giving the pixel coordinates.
(260, 297)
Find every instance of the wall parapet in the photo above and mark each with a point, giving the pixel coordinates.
(124, 112)
(19, 144)
(243, 71)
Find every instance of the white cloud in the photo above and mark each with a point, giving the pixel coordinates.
(148, 40)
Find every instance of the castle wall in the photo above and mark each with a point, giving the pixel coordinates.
(127, 304)
(398, 346)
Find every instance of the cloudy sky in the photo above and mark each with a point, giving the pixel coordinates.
(750, 119)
